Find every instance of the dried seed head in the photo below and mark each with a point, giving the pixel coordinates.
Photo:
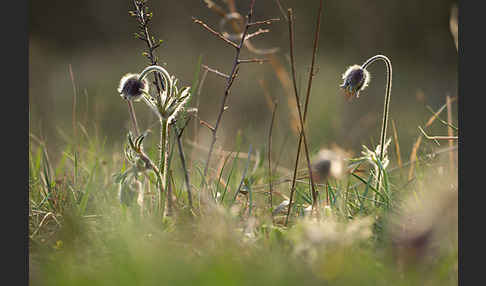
(355, 79)
(131, 88)
(327, 164)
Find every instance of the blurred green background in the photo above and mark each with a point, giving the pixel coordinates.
(96, 38)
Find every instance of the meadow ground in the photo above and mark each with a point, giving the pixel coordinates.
(167, 206)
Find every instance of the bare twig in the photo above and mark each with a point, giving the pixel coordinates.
(74, 102)
(397, 146)
(413, 157)
(228, 85)
(416, 145)
(259, 32)
(245, 61)
(204, 123)
(269, 156)
(311, 75)
(183, 162)
(223, 75)
(437, 137)
(264, 22)
(450, 125)
(215, 33)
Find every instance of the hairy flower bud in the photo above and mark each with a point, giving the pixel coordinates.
(327, 164)
(355, 79)
(131, 88)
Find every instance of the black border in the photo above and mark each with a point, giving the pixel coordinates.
(15, 140)
(471, 79)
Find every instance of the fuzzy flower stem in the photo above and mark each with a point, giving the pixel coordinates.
(164, 138)
(163, 72)
(386, 104)
(134, 118)
(164, 149)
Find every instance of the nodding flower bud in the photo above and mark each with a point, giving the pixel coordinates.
(327, 164)
(355, 79)
(131, 88)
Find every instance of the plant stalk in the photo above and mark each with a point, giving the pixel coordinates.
(386, 105)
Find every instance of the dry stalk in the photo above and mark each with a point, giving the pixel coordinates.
(302, 119)
(232, 75)
(413, 155)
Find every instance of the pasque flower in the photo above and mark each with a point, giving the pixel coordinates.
(355, 79)
(133, 88)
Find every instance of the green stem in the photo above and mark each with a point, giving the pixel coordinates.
(164, 144)
(161, 192)
(386, 106)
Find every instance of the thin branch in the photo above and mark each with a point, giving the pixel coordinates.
(204, 123)
(270, 154)
(183, 162)
(448, 124)
(259, 32)
(214, 32)
(264, 22)
(437, 137)
(74, 103)
(223, 75)
(246, 61)
(302, 119)
(416, 145)
(229, 82)
(397, 145)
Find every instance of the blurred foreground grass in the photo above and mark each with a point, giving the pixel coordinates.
(80, 233)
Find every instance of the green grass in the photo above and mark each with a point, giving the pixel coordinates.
(81, 234)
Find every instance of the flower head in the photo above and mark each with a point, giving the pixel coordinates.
(327, 164)
(355, 79)
(131, 88)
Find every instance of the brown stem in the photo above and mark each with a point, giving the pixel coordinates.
(183, 162)
(228, 85)
(214, 32)
(269, 156)
(302, 119)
